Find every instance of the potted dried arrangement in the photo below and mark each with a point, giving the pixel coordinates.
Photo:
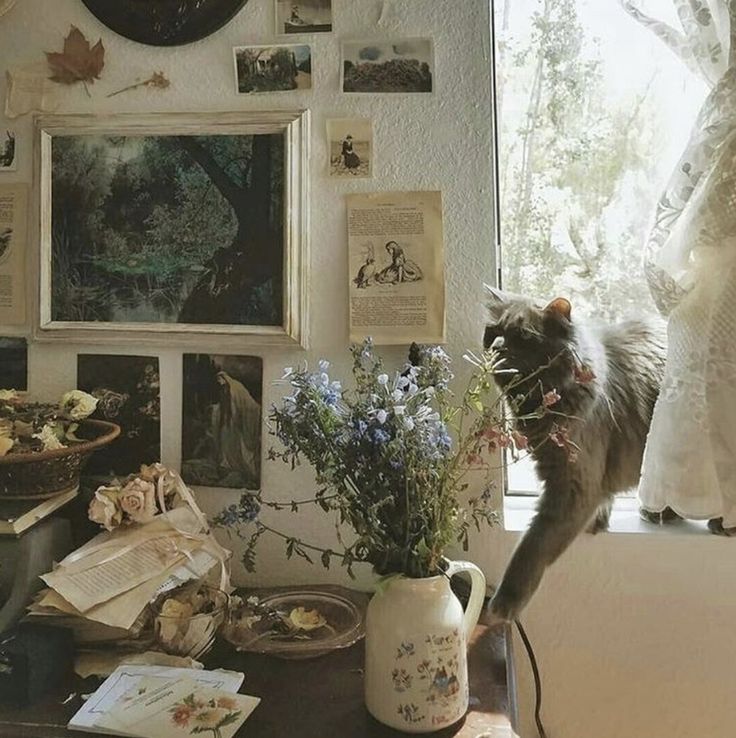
(392, 459)
(44, 446)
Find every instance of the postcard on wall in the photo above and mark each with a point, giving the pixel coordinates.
(127, 390)
(13, 221)
(393, 66)
(274, 68)
(350, 146)
(8, 152)
(221, 421)
(303, 16)
(396, 258)
(14, 364)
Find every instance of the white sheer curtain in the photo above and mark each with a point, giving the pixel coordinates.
(690, 259)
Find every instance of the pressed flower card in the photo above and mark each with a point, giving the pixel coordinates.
(177, 708)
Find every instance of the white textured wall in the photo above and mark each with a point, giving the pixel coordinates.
(635, 633)
(440, 141)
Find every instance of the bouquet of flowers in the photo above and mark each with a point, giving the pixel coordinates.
(30, 427)
(391, 457)
(135, 499)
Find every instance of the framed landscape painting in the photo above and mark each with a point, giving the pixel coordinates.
(184, 225)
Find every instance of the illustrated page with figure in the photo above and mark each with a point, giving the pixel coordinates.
(13, 213)
(396, 262)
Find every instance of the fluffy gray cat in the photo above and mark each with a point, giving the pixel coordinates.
(591, 446)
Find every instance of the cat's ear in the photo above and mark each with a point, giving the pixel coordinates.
(498, 296)
(559, 307)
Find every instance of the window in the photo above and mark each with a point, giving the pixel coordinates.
(593, 113)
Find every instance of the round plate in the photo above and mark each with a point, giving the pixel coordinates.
(164, 22)
(343, 612)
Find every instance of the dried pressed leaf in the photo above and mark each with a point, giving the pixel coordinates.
(78, 62)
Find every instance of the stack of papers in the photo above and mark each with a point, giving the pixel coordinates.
(145, 701)
(102, 589)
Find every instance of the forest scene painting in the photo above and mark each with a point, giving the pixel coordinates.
(168, 229)
(221, 427)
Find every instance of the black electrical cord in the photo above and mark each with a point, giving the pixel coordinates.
(537, 678)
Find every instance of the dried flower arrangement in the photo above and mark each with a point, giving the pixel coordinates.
(392, 457)
(30, 427)
(137, 498)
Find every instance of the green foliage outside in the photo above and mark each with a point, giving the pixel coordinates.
(576, 167)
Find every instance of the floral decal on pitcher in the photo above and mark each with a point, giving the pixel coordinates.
(436, 669)
(402, 680)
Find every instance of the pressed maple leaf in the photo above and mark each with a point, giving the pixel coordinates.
(78, 62)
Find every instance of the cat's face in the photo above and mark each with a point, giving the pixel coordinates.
(525, 334)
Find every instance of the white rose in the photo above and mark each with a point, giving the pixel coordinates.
(6, 394)
(78, 404)
(138, 500)
(104, 509)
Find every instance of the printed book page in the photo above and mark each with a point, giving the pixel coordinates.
(13, 246)
(396, 258)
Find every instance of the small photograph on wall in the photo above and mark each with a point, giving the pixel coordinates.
(14, 364)
(221, 420)
(276, 68)
(350, 144)
(8, 151)
(394, 66)
(127, 389)
(303, 16)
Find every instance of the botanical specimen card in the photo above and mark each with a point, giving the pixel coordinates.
(127, 389)
(13, 219)
(221, 420)
(14, 364)
(160, 229)
(388, 66)
(303, 16)
(275, 68)
(177, 708)
(350, 147)
(396, 262)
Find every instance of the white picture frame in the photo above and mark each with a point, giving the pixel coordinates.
(52, 324)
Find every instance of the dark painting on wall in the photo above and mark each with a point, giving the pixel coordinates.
(221, 420)
(156, 229)
(127, 389)
(14, 364)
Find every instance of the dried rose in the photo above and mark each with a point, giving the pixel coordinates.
(78, 404)
(303, 619)
(49, 437)
(138, 500)
(105, 509)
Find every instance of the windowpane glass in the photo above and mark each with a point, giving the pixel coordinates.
(593, 113)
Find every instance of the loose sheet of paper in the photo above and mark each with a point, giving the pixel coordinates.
(13, 246)
(396, 262)
(125, 677)
(177, 706)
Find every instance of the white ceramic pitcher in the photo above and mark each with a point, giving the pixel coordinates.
(416, 673)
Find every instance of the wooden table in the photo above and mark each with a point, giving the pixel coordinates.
(316, 698)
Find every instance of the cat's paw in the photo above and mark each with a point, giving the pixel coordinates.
(597, 525)
(715, 526)
(668, 515)
(504, 607)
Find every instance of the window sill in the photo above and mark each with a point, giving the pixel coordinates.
(518, 512)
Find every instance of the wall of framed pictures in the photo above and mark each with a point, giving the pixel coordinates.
(145, 181)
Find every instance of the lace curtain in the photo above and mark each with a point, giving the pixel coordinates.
(690, 261)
